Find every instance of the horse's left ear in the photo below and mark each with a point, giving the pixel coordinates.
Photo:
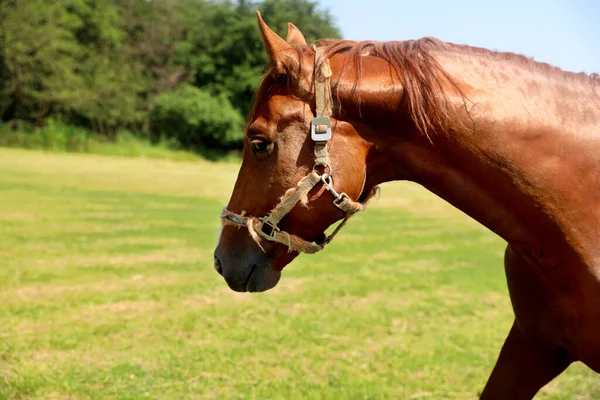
(282, 55)
(294, 36)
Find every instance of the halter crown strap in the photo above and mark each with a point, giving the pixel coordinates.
(323, 98)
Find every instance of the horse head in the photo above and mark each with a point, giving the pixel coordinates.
(302, 169)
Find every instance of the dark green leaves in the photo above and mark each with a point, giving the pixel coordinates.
(185, 69)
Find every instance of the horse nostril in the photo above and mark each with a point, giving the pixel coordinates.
(218, 267)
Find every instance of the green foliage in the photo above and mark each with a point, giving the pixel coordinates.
(39, 58)
(114, 100)
(59, 137)
(109, 66)
(53, 136)
(228, 58)
(196, 118)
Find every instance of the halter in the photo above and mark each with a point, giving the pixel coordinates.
(320, 132)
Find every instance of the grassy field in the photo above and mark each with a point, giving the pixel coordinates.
(107, 291)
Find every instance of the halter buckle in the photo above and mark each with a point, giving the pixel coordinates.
(317, 135)
(267, 228)
(339, 199)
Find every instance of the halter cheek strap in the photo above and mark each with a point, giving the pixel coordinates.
(267, 227)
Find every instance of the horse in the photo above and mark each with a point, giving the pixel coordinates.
(513, 143)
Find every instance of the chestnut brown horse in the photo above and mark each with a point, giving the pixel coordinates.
(513, 143)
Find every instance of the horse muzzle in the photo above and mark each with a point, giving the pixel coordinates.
(245, 267)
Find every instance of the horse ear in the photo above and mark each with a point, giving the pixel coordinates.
(294, 36)
(281, 53)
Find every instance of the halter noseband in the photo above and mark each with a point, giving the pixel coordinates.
(320, 132)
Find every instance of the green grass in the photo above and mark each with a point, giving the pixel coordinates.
(107, 291)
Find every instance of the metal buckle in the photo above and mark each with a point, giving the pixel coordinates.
(269, 233)
(320, 136)
(338, 200)
(234, 218)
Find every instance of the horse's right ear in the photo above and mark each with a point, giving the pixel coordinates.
(294, 36)
(282, 55)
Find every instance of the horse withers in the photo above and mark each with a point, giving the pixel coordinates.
(513, 143)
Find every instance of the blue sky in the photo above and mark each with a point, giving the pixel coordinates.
(563, 33)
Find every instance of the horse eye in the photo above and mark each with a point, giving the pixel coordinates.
(281, 78)
(261, 147)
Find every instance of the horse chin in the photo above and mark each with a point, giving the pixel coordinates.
(262, 279)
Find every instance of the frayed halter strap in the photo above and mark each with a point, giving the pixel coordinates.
(320, 132)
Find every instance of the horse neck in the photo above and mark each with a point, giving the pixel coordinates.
(499, 157)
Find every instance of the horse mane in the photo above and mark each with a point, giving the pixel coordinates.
(419, 73)
(422, 77)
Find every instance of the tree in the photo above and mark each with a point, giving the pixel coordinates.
(196, 118)
(115, 80)
(224, 47)
(39, 59)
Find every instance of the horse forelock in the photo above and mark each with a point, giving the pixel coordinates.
(264, 89)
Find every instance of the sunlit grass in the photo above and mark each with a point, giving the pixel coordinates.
(107, 291)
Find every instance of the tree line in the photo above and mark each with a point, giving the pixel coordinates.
(184, 70)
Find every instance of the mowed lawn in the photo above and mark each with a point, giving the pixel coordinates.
(107, 291)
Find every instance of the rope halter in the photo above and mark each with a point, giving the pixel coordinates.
(267, 227)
